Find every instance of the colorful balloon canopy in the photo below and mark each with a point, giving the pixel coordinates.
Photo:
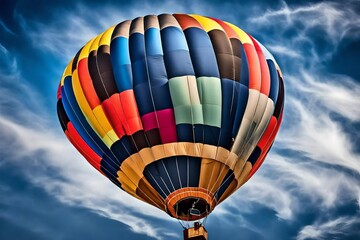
(177, 110)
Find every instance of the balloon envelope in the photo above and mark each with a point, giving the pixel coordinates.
(177, 110)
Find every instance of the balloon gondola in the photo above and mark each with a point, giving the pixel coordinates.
(177, 110)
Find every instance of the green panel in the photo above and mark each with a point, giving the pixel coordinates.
(210, 98)
(187, 108)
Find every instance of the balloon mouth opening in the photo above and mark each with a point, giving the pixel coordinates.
(190, 204)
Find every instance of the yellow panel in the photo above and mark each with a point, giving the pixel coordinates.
(209, 151)
(243, 176)
(85, 51)
(244, 38)
(126, 182)
(101, 118)
(158, 152)
(95, 44)
(132, 170)
(207, 23)
(67, 72)
(106, 37)
(149, 194)
(211, 174)
(85, 108)
(146, 155)
(112, 135)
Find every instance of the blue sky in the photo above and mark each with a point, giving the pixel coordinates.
(308, 188)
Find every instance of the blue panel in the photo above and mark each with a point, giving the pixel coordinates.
(120, 60)
(243, 94)
(176, 53)
(184, 132)
(225, 184)
(211, 135)
(153, 42)
(178, 63)
(229, 100)
(171, 166)
(143, 98)
(254, 155)
(171, 173)
(156, 70)
(182, 166)
(122, 149)
(110, 169)
(173, 39)
(201, 52)
(199, 133)
(244, 74)
(139, 71)
(189, 168)
(274, 81)
(136, 46)
(161, 97)
(194, 171)
(152, 174)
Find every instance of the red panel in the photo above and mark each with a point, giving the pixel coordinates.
(264, 151)
(59, 91)
(167, 125)
(265, 73)
(187, 21)
(114, 113)
(130, 111)
(268, 132)
(149, 121)
(87, 84)
(228, 30)
(164, 120)
(254, 67)
(82, 147)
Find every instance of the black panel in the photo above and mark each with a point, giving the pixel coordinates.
(95, 77)
(63, 118)
(255, 155)
(76, 58)
(105, 69)
(172, 173)
(139, 140)
(225, 184)
(223, 52)
(153, 136)
(280, 99)
(236, 49)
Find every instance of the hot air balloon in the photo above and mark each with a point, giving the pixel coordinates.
(177, 110)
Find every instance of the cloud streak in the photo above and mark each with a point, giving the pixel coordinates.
(330, 229)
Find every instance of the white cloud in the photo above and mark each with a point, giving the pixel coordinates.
(78, 184)
(283, 51)
(312, 131)
(330, 229)
(337, 20)
(301, 27)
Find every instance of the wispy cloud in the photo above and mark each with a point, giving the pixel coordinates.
(308, 167)
(36, 145)
(330, 229)
(54, 165)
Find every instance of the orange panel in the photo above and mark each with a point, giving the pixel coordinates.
(87, 84)
(187, 21)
